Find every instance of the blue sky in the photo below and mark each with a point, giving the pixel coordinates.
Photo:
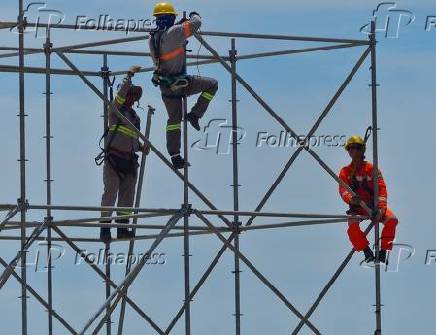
(299, 261)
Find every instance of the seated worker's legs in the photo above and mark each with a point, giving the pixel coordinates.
(357, 236)
(390, 222)
(126, 196)
(207, 87)
(359, 241)
(111, 185)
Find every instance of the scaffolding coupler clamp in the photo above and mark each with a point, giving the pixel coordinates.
(105, 72)
(237, 227)
(22, 204)
(186, 209)
(48, 48)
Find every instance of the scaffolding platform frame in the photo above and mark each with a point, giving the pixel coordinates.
(117, 294)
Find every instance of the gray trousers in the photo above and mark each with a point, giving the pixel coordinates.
(173, 101)
(114, 186)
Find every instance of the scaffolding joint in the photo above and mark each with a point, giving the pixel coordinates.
(236, 227)
(105, 72)
(186, 209)
(48, 47)
(23, 205)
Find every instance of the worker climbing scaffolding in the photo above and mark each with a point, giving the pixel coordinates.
(119, 155)
(359, 176)
(167, 46)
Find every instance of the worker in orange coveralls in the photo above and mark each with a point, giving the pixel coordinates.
(359, 176)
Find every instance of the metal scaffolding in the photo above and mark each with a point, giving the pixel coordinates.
(228, 234)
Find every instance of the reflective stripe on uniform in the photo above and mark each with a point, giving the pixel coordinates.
(187, 28)
(207, 96)
(121, 213)
(172, 54)
(124, 130)
(173, 127)
(120, 99)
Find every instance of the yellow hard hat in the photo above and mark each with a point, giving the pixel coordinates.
(355, 139)
(164, 8)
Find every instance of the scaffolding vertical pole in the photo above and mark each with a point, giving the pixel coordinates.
(135, 220)
(232, 56)
(186, 207)
(107, 258)
(22, 200)
(47, 50)
(375, 176)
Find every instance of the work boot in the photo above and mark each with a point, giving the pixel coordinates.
(105, 235)
(193, 120)
(382, 256)
(124, 233)
(369, 255)
(178, 162)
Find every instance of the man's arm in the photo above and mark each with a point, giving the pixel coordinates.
(345, 195)
(382, 192)
(186, 28)
(120, 98)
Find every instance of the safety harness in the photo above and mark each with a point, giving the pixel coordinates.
(120, 165)
(355, 184)
(173, 82)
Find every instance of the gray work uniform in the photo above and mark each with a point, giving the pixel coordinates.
(121, 142)
(172, 63)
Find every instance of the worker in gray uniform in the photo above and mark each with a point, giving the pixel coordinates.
(120, 158)
(167, 46)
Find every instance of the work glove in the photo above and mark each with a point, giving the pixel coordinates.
(146, 148)
(194, 13)
(182, 20)
(134, 69)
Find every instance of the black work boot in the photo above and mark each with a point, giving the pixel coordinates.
(178, 162)
(124, 233)
(382, 256)
(105, 235)
(369, 255)
(193, 120)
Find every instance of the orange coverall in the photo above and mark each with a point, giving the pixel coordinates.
(360, 180)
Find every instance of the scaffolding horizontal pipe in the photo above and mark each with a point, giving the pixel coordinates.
(152, 68)
(205, 33)
(104, 209)
(103, 52)
(284, 37)
(204, 212)
(15, 225)
(41, 70)
(284, 215)
(195, 231)
(96, 224)
(68, 48)
(297, 51)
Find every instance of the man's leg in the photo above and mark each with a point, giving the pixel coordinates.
(207, 87)
(357, 236)
(174, 108)
(111, 184)
(126, 196)
(390, 222)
